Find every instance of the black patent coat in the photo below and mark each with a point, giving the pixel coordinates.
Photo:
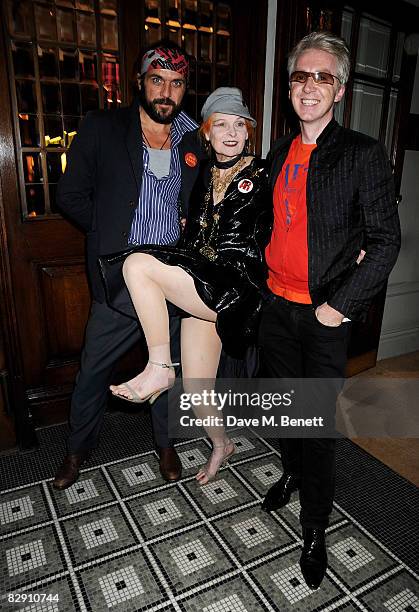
(235, 283)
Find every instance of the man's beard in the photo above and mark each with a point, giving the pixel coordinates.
(150, 108)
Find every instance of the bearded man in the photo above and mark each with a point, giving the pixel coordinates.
(127, 171)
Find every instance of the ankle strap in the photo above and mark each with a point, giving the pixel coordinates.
(164, 365)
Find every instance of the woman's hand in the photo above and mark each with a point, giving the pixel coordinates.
(183, 223)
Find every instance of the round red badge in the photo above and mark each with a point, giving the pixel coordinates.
(245, 186)
(191, 160)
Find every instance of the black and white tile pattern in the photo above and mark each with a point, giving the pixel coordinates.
(123, 539)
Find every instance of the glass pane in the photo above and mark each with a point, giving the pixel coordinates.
(25, 93)
(54, 167)
(66, 25)
(206, 14)
(189, 41)
(152, 33)
(175, 35)
(192, 76)
(152, 10)
(52, 188)
(28, 127)
(173, 12)
(346, 27)
(53, 129)
(110, 79)
(19, 18)
(22, 59)
(88, 66)
(399, 55)
(32, 170)
(223, 18)
(71, 99)
(45, 22)
(71, 125)
(204, 79)
(89, 98)
(67, 3)
(223, 49)
(53, 197)
(108, 6)
(48, 63)
(85, 5)
(190, 13)
(367, 103)
(205, 43)
(222, 76)
(35, 202)
(109, 33)
(190, 105)
(69, 65)
(390, 120)
(373, 47)
(86, 28)
(51, 97)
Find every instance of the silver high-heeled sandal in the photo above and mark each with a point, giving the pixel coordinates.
(151, 397)
(209, 474)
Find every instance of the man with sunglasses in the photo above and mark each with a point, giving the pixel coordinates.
(333, 195)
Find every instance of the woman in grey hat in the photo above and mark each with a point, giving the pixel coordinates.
(215, 275)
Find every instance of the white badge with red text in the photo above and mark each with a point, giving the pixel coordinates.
(245, 186)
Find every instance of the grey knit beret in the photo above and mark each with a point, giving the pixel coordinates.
(228, 100)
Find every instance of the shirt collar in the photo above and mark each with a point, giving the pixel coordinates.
(180, 125)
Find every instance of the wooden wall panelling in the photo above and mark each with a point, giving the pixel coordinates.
(249, 53)
(66, 303)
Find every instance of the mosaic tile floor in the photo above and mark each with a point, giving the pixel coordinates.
(122, 539)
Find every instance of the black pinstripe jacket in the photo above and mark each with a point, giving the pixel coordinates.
(350, 204)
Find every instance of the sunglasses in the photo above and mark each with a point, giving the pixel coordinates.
(320, 78)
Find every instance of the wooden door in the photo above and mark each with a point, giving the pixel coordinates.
(61, 61)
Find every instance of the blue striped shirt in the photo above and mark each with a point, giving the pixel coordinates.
(156, 218)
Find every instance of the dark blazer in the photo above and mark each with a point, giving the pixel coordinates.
(350, 205)
(100, 188)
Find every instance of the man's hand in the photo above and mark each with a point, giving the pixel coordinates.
(329, 316)
(183, 223)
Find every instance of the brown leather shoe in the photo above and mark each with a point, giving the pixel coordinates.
(170, 465)
(68, 472)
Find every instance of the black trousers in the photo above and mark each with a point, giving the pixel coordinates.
(109, 335)
(294, 344)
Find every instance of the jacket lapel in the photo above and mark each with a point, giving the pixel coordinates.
(133, 141)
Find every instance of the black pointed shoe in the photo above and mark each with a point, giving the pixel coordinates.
(69, 470)
(170, 464)
(279, 494)
(313, 561)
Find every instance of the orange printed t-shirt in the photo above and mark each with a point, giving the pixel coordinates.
(287, 252)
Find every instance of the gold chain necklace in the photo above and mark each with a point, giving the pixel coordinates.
(220, 184)
(207, 250)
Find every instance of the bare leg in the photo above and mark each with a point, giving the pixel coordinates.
(150, 283)
(201, 349)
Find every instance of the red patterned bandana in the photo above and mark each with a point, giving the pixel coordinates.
(165, 59)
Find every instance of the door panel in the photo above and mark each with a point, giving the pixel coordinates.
(65, 304)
